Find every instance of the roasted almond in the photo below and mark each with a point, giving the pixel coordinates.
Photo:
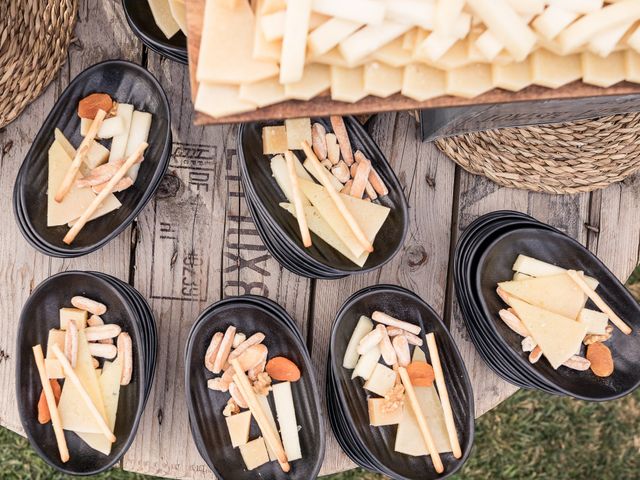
(88, 107)
(601, 360)
(421, 374)
(283, 370)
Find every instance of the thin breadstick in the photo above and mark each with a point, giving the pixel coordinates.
(81, 153)
(422, 421)
(340, 131)
(374, 178)
(84, 218)
(297, 200)
(335, 196)
(268, 432)
(91, 306)
(254, 339)
(360, 179)
(600, 303)
(382, 317)
(444, 395)
(386, 348)
(71, 376)
(223, 351)
(51, 403)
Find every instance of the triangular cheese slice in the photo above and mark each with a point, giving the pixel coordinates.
(162, 16)
(226, 53)
(218, 100)
(369, 216)
(557, 293)
(74, 413)
(280, 172)
(418, 355)
(179, 12)
(558, 337)
(109, 381)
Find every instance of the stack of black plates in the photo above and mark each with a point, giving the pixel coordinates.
(485, 255)
(125, 307)
(141, 22)
(126, 83)
(279, 229)
(373, 447)
(251, 314)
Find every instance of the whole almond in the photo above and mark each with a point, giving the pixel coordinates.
(283, 370)
(601, 360)
(88, 107)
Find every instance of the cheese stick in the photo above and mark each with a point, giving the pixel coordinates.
(88, 213)
(51, 403)
(335, 196)
(294, 43)
(71, 376)
(447, 12)
(297, 199)
(330, 34)
(81, 153)
(361, 11)
(385, 319)
(444, 395)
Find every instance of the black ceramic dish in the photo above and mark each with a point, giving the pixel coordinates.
(559, 249)
(141, 22)
(205, 406)
(263, 189)
(379, 441)
(39, 315)
(126, 82)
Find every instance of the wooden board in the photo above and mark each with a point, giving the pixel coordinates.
(324, 106)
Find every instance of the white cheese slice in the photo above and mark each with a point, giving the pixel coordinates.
(606, 42)
(364, 326)
(281, 174)
(554, 71)
(254, 453)
(161, 12)
(556, 293)
(74, 413)
(238, 426)
(179, 13)
(369, 39)
(227, 46)
(286, 413)
(537, 268)
(393, 54)
(138, 133)
(220, 100)
(77, 200)
(632, 65)
(366, 364)
(381, 380)
(330, 34)
(53, 368)
(603, 72)
(264, 402)
(97, 155)
(382, 80)
(110, 127)
(56, 337)
(263, 93)
(558, 337)
(294, 43)
(552, 21)
(263, 49)
(469, 81)
(596, 322)
(119, 142)
(422, 82)
(512, 76)
(109, 380)
(316, 79)
(347, 84)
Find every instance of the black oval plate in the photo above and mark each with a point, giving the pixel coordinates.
(126, 83)
(205, 406)
(141, 22)
(379, 441)
(39, 315)
(267, 195)
(559, 249)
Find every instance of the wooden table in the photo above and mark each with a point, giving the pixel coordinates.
(195, 243)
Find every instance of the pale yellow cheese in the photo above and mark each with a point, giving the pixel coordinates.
(363, 327)
(596, 322)
(312, 169)
(271, 6)
(316, 79)
(294, 43)
(298, 131)
(537, 268)
(220, 100)
(77, 200)
(552, 21)
(179, 13)
(382, 379)
(347, 84)
(363, 11)
(422, 82)
(119, 142)
(227, 48)
(366, 364)
(110, 127)
(558, 337)
(163, 17)
(280, 172)
(274, 139)
(418, 355)
(53, 368)
(512, 76)
(603, 72)
(264, 403)
(109, 381)
(632, 66)
(379, 416)
(254, 453)
(238, 426)
(556, 293)
(56, 337)
(382, 80)
(394, 54)
(330, 34)
(263, 93)
(286, 413)
(334, 58)
(264, 49)
(469, 81)
(74, 413)
(97, 155)
(75, 314)
(553, 71)
(370, 38)
(138, 133)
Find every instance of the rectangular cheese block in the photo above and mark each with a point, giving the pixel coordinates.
(379, 416)
(75, 314)
(363, 327)
(56, 337)
(263, 93)
(382, 379)
(254, 453)
(469, 81)
(53, 368)
(280, 172)
(537, 268)
(274, 139)
(119, 142)
(316, 79)
(596, 322)
(553, 71)
(219, 100)
(558, 337)
(298, 131)
(606, 42)
(632, 66)
(603, 72)
(294, 43)
(264, 49)
(238, 426)
(347, 84)
(286, 413)
(110, 127)
(366, 364)
(138, 133)
(422, 82)
(382, 80)
(512, 76)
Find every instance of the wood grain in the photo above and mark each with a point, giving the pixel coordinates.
(323, 105)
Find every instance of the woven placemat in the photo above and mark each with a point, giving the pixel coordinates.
(34, 37)
(559, 158)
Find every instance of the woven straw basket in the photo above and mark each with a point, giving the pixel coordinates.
(34, 38)
(559, 158)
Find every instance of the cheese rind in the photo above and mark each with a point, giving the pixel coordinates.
(286, 413)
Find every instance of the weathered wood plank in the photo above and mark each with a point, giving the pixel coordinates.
(422, 263)
(21, 268)
(197, 244)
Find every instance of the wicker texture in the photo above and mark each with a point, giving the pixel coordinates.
(559, 158)
(34, 37)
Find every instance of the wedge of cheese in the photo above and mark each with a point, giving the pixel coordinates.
(161, 11)
(557, 293)
(537, 268)
(263, 93)
(97, 155)
(179, 13)
(77, 200)
(254, 453)
(281, 174)
(422, 82)
(74, 413)
(238, 426)
(219, 100)
(226, 53)
(316, 79)
(558, 337)
(109, 380)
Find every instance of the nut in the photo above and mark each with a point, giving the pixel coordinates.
(88, 107)
(577, 363)
(394, 398)
(262, 384)
(283, 370)
(593, 338)
(231, 408)
(601, 360)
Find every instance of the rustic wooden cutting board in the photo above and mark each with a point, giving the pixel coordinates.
(324, 106)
